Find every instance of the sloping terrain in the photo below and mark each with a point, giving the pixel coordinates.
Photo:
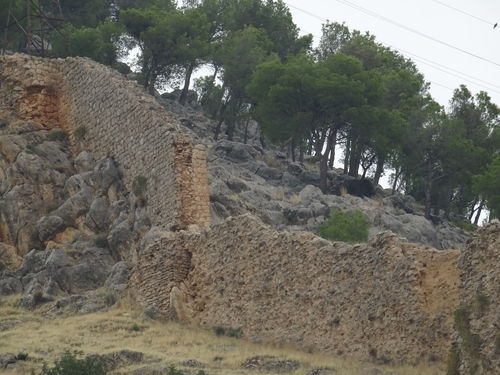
(246, 178)
(147, 347)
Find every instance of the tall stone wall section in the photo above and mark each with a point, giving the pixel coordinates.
(386, 300)
(111, 116)
(476, 350)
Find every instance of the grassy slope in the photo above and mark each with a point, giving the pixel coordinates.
(44, 338)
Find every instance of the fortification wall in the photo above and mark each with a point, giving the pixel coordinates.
(111, 116)
(388, 299)
(476, 348)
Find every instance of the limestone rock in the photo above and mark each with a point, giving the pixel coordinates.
(48, 226)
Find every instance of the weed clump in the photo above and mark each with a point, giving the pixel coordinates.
(140, 185)
(101, 241)
(465, 225)
(230, 332)
(480, 304)
(453, 363)
(71, 364)
(80, 133)
(57, 135)
(350, 226)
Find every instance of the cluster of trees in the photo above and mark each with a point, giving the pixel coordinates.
(350, 93)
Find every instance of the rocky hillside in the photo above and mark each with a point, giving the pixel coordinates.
(247, 178)
(67, 224)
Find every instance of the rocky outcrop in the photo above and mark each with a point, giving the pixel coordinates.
(247, 179)
(65, 221)
(388, 299)
(476, 350)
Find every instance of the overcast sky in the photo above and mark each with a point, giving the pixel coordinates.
(472, 32)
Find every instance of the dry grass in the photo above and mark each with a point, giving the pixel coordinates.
(270, 161)
(44, 338)
(295, 199)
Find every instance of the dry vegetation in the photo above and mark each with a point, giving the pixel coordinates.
(44, 337)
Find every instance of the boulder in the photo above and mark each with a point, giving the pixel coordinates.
(48, 226)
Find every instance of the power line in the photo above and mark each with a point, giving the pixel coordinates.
(400, 25)
(451, 71)
(463, 12)
(443, 68)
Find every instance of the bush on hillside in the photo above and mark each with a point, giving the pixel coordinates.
(70, 364)
(350, 226)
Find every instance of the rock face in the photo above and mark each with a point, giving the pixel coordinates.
(106, 114)
(477, 341)
(64, 223)
(386, 299)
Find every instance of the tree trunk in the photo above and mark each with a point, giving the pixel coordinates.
(187, 81)
(447, 204)
(292, 149)
(245, 138)
(473, 210)
(323, 165)
(332, 151)
(354, 161)
(378, 171)
(428, 190)
(397, 174)
(479, 211)
(220, 114)
(301, 153)
(346, 155)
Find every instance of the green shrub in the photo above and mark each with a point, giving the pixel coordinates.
(350, 226)
(173, 371)
(465, 225)
(57, 135)
(22, 356)
(70, 364)
(80, 133)
(140, 185)
(219, 331)
(480, 305)
(101, 241)
(2, 267)
(109, 299)
(461, 320)
(135, 327)
(453, 362)
(230, 332)
(471, 343)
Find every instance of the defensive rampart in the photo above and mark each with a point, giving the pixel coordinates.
(388, 299)
(111, 116)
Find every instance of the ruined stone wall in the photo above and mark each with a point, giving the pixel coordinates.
(31, 88)
(111, 116)
(388, 299)
(476, 349)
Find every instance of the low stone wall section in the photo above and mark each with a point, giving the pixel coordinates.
(387, 300)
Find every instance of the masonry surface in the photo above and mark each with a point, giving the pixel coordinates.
(111, 116)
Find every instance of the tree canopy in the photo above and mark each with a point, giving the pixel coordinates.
(349, 94)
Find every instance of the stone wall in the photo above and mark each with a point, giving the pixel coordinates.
(111, 116)
(476, 349)
(388, 299)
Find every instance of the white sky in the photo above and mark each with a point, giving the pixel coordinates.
(429, 17)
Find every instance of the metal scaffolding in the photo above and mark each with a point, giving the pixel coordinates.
(35, 25)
